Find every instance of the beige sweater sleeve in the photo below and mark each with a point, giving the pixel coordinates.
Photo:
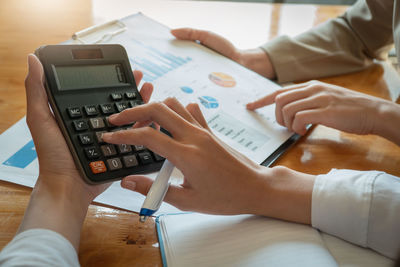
(345, 44)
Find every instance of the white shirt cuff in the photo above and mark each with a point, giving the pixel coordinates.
(39, 247)
(341, 204)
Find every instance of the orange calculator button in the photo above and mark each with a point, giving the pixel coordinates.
(98, 166)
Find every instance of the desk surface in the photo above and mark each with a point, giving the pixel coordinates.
(114, 237)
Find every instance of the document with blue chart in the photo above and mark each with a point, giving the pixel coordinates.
(193, 73)
(182, 69)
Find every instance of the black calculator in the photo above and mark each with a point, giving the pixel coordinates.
(85, 84)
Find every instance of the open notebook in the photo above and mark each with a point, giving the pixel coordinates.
(194, 239)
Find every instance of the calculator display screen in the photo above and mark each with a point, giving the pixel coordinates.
(89, 76)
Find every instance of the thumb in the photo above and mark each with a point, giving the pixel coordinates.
(176, 195)
(36, 97)
(34, 82)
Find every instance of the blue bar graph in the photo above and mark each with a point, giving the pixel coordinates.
(22, 157)
(154, 63)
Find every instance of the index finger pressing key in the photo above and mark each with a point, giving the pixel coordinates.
(156, 112)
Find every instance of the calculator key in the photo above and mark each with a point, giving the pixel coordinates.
(139, 147)
(80, 125)
(116, 96)
(124, 148)
(92, 152)
(130, 95)
(74, 112)
(86, 139)
(130, 161)
(158, 157)
(121, 106)
(107, 109)
(91, 110)
(145, 158)
(99, 135)
(97, 123)
(114, 164)
(108, 150)
(97, 167)
(133, 104)
(109, 124)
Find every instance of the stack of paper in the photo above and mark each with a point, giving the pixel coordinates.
(194, 239)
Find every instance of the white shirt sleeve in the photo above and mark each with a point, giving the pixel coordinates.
(362, 207)
(39, 247)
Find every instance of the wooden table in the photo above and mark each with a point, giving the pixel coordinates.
(112, 236)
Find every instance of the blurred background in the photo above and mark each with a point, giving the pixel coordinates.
(319, 2)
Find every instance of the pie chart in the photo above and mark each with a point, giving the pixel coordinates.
(222, 79)
(187, 89)
(208, 102)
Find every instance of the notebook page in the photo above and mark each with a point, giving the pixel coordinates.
(243, 240)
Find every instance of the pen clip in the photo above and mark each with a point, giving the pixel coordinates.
(100, 33)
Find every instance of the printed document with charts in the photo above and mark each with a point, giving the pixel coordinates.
(187, 71)
(193, 73)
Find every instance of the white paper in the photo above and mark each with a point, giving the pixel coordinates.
(244, 240)
(194, 239)
(192, 73)
(189, 72)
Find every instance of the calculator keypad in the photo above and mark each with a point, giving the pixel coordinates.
(121, 106)
(86, 139)
(97, 123)
(114, 164)
(80, 125)
(89, 122)
(130, 161)
(107, 109)
(74, 112)
(97, 167)
(91, 110)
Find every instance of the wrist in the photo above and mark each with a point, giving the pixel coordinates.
(258, 61)
(65, 189)
(286, 194)
(59, 207)
(387, 112)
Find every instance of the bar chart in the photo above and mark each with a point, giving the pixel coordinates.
(155, 63)
(23, 157)
(237, 131)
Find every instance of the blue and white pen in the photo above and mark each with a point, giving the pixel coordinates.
(157, 191)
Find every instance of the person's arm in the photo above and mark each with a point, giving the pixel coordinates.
(362, 207)
(254, 59)
(39, 247)
(218, 181)
(345, 44)
(314, 102)
(60, 198)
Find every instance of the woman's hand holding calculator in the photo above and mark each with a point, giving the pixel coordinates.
(60, 197)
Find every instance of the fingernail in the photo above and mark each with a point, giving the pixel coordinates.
(29, 61)
(129, 184)
(111, 117)
(106, 135)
